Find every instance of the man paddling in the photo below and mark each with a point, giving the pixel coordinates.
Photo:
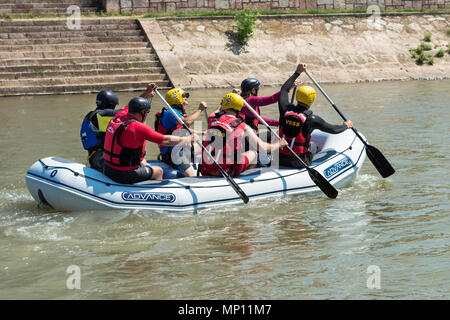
(297, 122)
(93, 127)
(225, 140)
(124, 147)
(167, 123)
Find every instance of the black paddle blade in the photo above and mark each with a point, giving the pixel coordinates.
(379, 161)
(238, 190)
(322, 183)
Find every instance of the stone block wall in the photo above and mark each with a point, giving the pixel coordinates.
(144, 6)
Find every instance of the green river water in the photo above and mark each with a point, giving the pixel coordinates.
(298, 247)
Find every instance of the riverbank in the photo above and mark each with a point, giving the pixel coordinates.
(45, 56)
(340, 48)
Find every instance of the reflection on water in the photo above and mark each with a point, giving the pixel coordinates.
(297, 247)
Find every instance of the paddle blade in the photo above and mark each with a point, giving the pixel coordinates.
(233, 184)
(379, 161)
(322, 183)
(238, 190)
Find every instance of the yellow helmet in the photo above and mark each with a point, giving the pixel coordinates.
(175, 96)
(232, 101)
(305, 95)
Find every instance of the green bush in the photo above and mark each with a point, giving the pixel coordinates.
(426, 47)
(245, 22)
(440, 53)
(424, 58)
(427, 37)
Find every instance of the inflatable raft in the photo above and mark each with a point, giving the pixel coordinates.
(71, 186)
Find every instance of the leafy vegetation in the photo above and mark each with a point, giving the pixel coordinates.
(440, 53)
(245, 23)
(426, 47)
(424, 58)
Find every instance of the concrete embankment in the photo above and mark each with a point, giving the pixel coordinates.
(337, 48)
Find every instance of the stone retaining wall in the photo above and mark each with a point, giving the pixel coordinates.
(338, 48)
(143, 6)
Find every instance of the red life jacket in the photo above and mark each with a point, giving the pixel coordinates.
(225, 143)
(117, 156)
(163, 130)
(291, 131)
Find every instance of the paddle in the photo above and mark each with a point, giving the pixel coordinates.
(316, 177)
(293, 95)
(230, 180)
(206, 117)
(379, 161)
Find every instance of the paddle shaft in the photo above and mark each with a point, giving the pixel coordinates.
(233, 184)
(293, 94)
(206, 117)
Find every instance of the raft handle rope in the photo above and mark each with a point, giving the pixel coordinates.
(108, 184)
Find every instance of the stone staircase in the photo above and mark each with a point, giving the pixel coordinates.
(45, 57)
(46, 7)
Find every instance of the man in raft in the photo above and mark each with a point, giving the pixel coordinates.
(167, 123)
(297, 122)
(225, 140)
(93, 127)
(249, 91)
(124, 147)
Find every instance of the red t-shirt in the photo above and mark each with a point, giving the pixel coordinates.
(122, 112)
(134, 136)
(137, 132)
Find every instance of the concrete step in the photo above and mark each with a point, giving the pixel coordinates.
(43, 73)
(42, 56)
(81, 88)
(64, 28)
(83, 80)
(47, 11)
(74, 60)
(77, 53)
(46, 4)
(70, 40)
(84, 67)
(118, 22)
(50, 1)
(75, 2)
(74, 46)
(86, 34)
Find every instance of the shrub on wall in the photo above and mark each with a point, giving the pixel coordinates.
(245, 23)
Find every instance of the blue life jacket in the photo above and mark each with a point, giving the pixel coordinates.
(89, 134)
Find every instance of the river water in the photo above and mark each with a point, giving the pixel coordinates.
(299, 247)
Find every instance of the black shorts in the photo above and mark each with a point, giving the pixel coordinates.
(96, 160)
(182, 161)
(129, 177)
(291, 161)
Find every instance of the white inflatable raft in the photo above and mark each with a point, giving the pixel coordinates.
(70, 186)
